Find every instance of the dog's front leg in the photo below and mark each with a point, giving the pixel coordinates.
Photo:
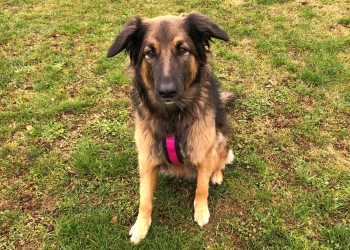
(201, 211)
(148, 179)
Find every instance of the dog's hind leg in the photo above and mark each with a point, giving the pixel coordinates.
(148, 179)
(217, 176)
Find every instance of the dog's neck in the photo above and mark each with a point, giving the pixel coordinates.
(186, 121)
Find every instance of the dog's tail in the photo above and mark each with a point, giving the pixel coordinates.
(226, 97)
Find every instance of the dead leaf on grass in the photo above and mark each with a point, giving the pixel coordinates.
(55, 35)
(113, 219)
(71, 171)
(29, 127)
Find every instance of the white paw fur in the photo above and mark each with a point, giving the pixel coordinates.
(230, 157)
(139, 231)
(201, 215)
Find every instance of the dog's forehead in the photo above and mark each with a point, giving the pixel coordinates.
(161, 20)
(165, 28)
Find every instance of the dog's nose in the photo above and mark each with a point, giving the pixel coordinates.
(167, 90)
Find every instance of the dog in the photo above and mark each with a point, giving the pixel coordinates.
(181, 127)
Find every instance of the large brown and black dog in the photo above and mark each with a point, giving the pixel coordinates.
(180, 120)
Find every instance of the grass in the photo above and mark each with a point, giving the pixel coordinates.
(68, 169)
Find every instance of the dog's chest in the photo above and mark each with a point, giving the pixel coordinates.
(172, 148)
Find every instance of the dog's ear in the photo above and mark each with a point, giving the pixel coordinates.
(201, 29)
(130, 39)
(204, 25)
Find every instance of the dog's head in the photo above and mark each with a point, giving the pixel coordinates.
(168, 51)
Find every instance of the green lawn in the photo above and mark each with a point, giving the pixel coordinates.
(68, 165)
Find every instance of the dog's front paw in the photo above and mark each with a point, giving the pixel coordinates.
(139, 230)
(201, 214)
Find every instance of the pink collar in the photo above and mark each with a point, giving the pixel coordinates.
(172, 150)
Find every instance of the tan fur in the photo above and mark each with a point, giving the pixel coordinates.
(192, 71)
(145, 75)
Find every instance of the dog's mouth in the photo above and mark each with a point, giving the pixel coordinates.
(169, 102)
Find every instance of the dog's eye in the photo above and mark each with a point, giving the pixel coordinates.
(181, 51)
(150, 53)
